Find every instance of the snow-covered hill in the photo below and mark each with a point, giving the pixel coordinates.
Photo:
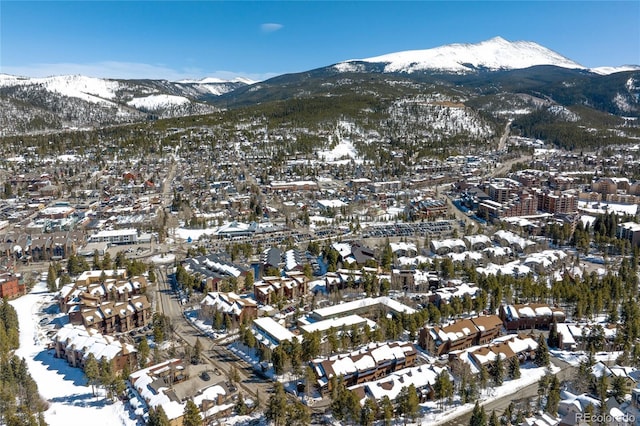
(153, 102)
(49, 103)
(612, 70)
(90, 89)
(494, 54)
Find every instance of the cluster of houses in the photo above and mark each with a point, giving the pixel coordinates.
(530, 192)
(368, 364)
(102, 308)
(169, 384)
(107, 301)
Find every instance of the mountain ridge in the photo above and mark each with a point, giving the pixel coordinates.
(58, 102)
(493, 54)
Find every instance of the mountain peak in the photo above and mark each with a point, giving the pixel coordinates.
(494, 54)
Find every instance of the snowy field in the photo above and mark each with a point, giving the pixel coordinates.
(575, 358)
(62, 386)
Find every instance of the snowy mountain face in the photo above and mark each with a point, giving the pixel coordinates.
(78, 101)
(613, 70)
(495, 54)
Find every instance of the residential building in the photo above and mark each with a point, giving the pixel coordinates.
(116, 236)
(11, 285)
(213, 268)
(629, 231)
(289, 288)
(270, 333)
(460, 334)
(74, 343)
(530, 316)
(238, 307)
(370, 363)
(362, 307)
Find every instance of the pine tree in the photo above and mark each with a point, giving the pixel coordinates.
(478, 416)
(52, 276)
(554, 338)
(619, 388)
(143, 352)
(92, 371)
(484, 376)
(553, 397)
(276, 410)
(386, 407)
(408, 402)
(297, 414)
(240, 407)
(497, 370)
(368, 413)
(514, 368)
(542, 353)
(157, 417)
(443, 387)
(107, 376)
(191, 416)
(197, 352)
(493, 420)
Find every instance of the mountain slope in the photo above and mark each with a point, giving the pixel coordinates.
(494, 54)
(40, 104)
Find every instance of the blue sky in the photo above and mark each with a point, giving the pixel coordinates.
(176, 40)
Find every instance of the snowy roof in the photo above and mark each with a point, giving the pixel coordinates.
(567, 337)
(114, 233)
(343, 308)
(337, 323)
(343, 248)
(461, 257)
(89, 341)
(514, 268)
(448, 243)
(498, 251)
(210, 394)
(513, 239)
(142, 380)
(273, 330)
(371, 356)
(331, 204)
(478, 239)
(460, 290)
(392, 384)
(401, 246)
(546, 258)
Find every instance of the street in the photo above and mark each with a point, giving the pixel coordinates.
(217, 355)
(567, 372)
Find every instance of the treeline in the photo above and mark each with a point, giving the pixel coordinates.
(545, 125)
(20, 402)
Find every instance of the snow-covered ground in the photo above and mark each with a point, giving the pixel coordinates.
(163, 259)
(343, 153)
(62, 386)
(530, 374)
(575, 358)
(604, 208)
(194, 234)
(158, 101)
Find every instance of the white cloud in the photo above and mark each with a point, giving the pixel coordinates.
(270, 27)
(127, 70)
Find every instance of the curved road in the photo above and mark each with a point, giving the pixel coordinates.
(499, 405)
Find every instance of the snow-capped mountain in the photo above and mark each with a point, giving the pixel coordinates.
(613, 70)
(494, 54)
(81, 101)
(528, 74)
